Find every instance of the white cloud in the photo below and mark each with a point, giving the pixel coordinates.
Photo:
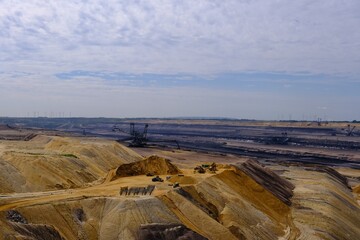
(182, 36)
(39, 39)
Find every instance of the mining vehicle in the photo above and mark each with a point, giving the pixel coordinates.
(138, 138)
(157, 179)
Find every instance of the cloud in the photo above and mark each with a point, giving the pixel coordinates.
(183, 36)
(136, 48)
(93, 94)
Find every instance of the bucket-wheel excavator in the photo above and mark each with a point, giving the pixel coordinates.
(138, 138)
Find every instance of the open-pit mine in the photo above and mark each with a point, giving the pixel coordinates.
(178, 179)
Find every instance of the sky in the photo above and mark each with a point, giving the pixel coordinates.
(246, 59)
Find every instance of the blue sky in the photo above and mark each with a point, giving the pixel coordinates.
(259, 59)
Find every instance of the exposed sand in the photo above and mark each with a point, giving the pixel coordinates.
(249, 201)
(49, 163)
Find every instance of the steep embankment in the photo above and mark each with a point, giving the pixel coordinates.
(47, 163)
(252, 202)
(235, 205)
(323, 206)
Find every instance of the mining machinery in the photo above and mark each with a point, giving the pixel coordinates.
(350, 130)
(138, 138)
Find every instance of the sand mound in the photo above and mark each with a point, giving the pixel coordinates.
(48, 163)
(153, 164)
(182, 179)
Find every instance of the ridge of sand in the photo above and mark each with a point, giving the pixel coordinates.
(247, 201)
(50, 163)
(153, 164)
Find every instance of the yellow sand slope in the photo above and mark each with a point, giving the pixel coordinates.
(247, 201)
(48, 163)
